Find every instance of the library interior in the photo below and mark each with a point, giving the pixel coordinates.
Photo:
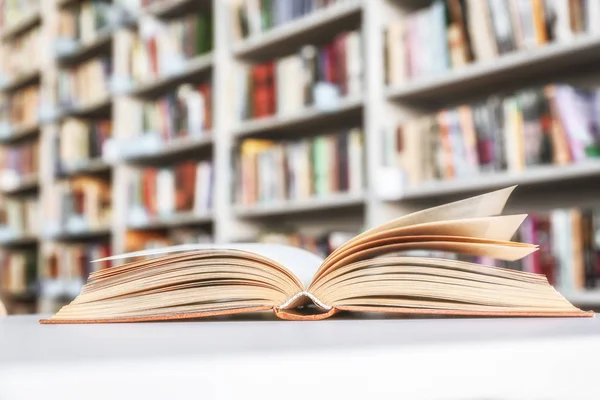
(129, 125)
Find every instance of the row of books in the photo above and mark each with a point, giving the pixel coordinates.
(252, 17)
(70, 262)
(146, 240)
(557, 124)
(322, 245)
(166, 191)
(14, 11)
(82, 22)
(18, 272)
(163, 48)
(19, 218)
(316, 76)
(452, 33)
(301, 169)
(78, 205)
(80, 141)
(185, 112)
(21, 159)
(85, 83)
(21, 107)
(25, 54)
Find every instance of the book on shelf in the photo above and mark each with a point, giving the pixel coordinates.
(18, 161)
(362, 275)
(19, 217)
(318, 76)
(148, 240)
(554, 125)
(269, 171)
(183, 113)
(251, 17)
(20, 109)
(18, 272)
(73, 262)
(85, 83)
(322, 245)
(25, 55)
(78, 205)
(164, 48)
(448, 34)
(82, 23)
(15, 11)
(80, 141)
(163, 192)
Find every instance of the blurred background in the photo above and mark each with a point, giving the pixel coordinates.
(135, 124)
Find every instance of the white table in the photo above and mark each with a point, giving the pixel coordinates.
(249, 358)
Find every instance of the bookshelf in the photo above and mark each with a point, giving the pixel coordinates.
(25, 22)
(336, 17)
(20, 132)
(376, 107)
(306, 119)
(331, 202)
(21, 80)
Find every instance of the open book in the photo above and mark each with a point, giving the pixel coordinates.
(364, 275)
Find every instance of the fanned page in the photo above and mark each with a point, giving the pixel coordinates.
(302, 263)
(363, 275)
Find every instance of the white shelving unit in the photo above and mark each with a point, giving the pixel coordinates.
(374, 110)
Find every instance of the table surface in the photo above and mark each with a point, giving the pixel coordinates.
(243, 349)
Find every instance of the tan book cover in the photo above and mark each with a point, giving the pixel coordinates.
(366, 274)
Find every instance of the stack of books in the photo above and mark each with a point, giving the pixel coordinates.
(19, 218)
(316, 76)
(83, 22)
(80, 141)
(163, 48)
(255, 17)
(556, 125)
(20, 160)
(85, 84)
(452, 33)
(25, 54)
(78, 205)
(270, 171)
(163, 192)
(18, 272)
(72, 262)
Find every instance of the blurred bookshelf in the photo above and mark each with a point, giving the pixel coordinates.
(138, 123)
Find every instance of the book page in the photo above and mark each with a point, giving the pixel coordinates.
(492, 228)
(485, 205)
(300, 262)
